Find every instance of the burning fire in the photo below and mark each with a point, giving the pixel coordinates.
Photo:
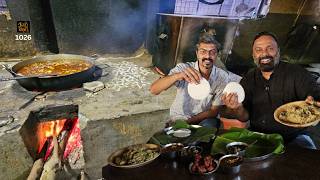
(50, 129)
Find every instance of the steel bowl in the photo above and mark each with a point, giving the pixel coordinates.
(206, 173)
(230, 164)
(172, 150)
(238, 148)
(119, 152)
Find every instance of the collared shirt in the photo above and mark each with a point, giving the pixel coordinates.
(287, 83)
(184, 106)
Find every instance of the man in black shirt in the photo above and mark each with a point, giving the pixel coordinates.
(270, 85)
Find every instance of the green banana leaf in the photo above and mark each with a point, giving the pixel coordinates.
(180, 124)
(201, 134)
(259, 144)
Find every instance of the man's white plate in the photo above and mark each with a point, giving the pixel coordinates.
(195, 126)
(182, 133)
(234, 87)
(199, 91)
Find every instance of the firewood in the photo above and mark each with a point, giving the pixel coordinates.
(53, 164)
(36, 170)
(63, 143)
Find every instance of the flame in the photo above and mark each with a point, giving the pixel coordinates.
(49, 129)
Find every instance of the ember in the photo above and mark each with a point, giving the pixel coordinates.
(64, 130)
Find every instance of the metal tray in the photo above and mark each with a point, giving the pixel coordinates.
(258, 158)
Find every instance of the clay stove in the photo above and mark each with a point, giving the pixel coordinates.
(52, 138)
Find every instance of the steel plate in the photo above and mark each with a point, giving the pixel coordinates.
(119, 152)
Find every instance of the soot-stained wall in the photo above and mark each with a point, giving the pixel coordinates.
(9, 46)
(100, 26)
(75, 26)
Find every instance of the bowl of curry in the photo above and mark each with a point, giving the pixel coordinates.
(58, 67)
(134, 156)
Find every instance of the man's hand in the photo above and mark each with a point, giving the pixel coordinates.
(310, 100)
(231, 100)
(190, 75)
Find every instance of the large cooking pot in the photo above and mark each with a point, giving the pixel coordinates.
(53, 83)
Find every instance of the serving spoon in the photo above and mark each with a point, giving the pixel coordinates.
(26, 77)
(20, 76)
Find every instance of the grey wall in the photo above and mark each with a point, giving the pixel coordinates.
(76, 26)
(9, 47)
(292, 27)
(99, 26)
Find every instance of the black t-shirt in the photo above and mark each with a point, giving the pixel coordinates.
(287, 83)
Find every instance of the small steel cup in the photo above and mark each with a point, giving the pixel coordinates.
(230, 163)
(238, 148)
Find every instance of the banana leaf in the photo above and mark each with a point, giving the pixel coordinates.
(180, 124)
(200, 134)
(259, 144)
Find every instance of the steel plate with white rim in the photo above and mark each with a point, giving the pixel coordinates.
(285, 107)
(182, 133)
(119, 152)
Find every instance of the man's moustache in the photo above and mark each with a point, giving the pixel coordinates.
(209, 59)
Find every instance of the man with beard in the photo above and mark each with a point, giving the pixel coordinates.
(184, 107)
(270, 85)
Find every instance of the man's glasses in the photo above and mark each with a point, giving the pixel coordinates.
(211, 52)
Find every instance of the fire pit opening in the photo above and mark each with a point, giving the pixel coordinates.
(52, 138)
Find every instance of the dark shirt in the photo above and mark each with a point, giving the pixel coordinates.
(287, 83)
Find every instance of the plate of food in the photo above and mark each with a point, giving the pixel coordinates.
(182, 133)
(297, 114)
(134, 156)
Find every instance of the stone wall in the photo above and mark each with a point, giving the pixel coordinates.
(15, 159)
(9, 46)
(78, 27)
(101, 138)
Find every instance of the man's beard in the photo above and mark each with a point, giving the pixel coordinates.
(269, 66)
(206, 64)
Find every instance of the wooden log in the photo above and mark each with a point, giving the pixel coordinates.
(36, 170)
(53, 164)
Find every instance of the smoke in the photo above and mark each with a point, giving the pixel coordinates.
(122, 29)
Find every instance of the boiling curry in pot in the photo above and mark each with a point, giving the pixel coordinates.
(56, 67)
